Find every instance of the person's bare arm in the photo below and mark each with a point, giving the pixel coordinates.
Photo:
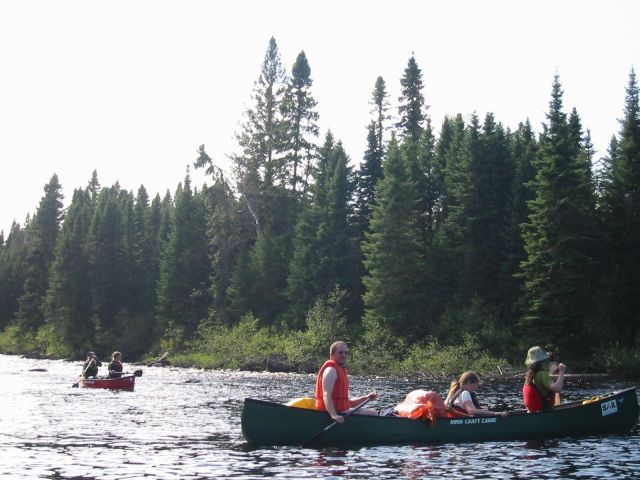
(354, 402)
(329, 378)
(472, 410)
(558, 385)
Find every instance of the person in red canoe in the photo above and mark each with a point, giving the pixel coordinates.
(332, 386)
(462, 397)
(90, 366)
(115, 366)
(540, 392)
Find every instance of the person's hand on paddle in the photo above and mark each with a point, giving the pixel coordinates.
(337, 418)
(373, 395)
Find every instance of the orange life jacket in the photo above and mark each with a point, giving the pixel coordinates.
(340, 394)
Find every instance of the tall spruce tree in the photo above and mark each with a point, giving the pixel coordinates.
(394, 255)
(523, 148)
(68, 300)
(411, 109)
(183, 288)
(143, 255)
(324, 253)
(108, 272)
(222, 233)
(559, 239)
(42, 235)
(444, 258)
(380, 103)
(12, 273)
(368, 175)
(442, 146)
(491, 172)
(620, 207)
(429, 182)
(300, 125)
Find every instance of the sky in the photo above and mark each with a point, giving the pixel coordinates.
(133, 88)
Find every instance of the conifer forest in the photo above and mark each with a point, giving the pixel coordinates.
(464, 231)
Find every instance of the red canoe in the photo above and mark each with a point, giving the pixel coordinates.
(125, 382)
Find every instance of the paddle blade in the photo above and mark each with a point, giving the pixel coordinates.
(138, 373)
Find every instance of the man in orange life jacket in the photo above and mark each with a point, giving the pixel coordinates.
(332, 386)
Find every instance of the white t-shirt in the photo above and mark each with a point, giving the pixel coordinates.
(465, 396)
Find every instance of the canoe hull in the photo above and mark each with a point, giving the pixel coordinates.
(267, 424)
(125, 382)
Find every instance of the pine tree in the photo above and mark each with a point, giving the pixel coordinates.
(491, 173)
(157, 233)
(93, 189)
(443, 144)
(380, 102)
(222, 233)
(412, 109)
(42, 235)
(143, 257)
(300, 125)
(184, 269)
(68, 300)
(621, 215)
(324, 254)
(454, 232)
(558, 239)
(367, 178)
(12, 273)
(523, 148)
(429, 182)
(108, 276)
(394, 255)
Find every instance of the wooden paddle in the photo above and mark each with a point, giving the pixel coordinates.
(329, 427)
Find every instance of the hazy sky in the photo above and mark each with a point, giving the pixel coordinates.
(132, 88)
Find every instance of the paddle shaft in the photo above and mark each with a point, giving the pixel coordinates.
(332, 425)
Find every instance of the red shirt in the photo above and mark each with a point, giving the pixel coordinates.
(340, 393)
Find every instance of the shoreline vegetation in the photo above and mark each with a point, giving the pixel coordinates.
(249, 347)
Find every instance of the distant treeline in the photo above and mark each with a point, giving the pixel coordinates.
(508, 236)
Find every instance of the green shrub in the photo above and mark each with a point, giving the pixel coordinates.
(478, 320)
(451, 360)
(325, 323)
(51, 344)
(619, 359)
(234, 347)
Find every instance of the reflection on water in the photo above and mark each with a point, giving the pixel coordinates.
(185, 424)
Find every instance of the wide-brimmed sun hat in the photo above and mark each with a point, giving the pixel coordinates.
(536, 354)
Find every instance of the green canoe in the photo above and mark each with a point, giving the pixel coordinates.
(267, 423)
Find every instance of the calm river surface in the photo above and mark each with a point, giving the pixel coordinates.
(185, 424)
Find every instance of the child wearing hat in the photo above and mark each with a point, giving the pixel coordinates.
(539, 390)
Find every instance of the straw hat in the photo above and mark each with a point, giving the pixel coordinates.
(536, 354)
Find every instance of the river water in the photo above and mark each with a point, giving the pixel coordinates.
(185, 424)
